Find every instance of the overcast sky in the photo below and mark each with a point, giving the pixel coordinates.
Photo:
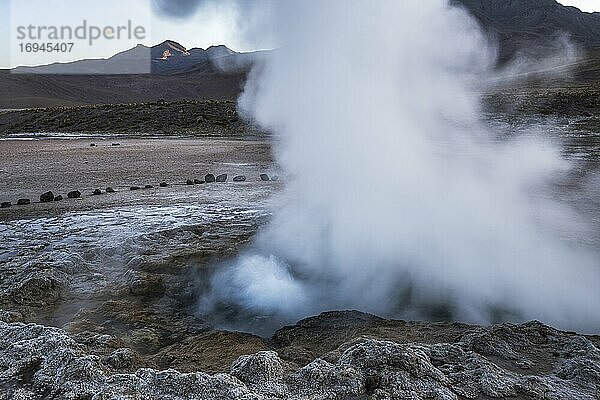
(211, 23)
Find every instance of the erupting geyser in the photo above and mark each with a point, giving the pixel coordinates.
(399, 202)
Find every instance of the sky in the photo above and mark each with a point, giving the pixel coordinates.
(583, 5)
(210, 24)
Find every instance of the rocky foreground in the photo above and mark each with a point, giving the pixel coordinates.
(337, 355)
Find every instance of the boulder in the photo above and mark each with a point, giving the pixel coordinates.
(198, 182)
(189, 182)
(210, 178)
(58, 198)
(92, 144)
(116, 144)
(148, 187)
(264, 177)
(274, 178)
(240, 178)
(97, 192)
(47, 197)
(163, 184)
(221, 178)
(75, 194)
(5, 204)
(135, 188)
(23, 202)
(110, 190)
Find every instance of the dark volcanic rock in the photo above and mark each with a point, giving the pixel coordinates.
(5, 204)
(23, 202)
(92, 144)
(135, 188)
(264, 177)
(47, 197)
(210, 178)
(198, 182)
(148, 187)
(189, 182)
(221, 178)
(97, 192)
(58, 198)
(110, 190)
(163, 184)
(75, 194)
(240, 178)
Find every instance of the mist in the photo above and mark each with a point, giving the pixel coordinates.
(398, 199)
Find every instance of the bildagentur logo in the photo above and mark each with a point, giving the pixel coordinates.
(86, 32)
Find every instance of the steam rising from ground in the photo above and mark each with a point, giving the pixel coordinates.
(398, 200)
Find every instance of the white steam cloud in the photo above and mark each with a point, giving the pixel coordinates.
(399, 201)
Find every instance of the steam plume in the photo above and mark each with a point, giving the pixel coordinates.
(399, 201)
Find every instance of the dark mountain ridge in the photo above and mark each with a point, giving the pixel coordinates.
(533, 26)
(172, 72)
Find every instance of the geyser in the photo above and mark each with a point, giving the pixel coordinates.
(399, 201)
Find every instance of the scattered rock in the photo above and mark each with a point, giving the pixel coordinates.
(210, 178)
(163, 184)
(6, 204)
(222, 178)
(92, 144)
(97, 192)
(189, 182)
(148, 187)
(75, 194)
(116, 144)
(264, 177)
(110, 190)
(47, 197)
(239, 178)
(58, 198)
(198, 182)
(23, 202)
(135, 188)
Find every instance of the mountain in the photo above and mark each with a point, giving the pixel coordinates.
(166, 58)
(534, 26)
(519, 27)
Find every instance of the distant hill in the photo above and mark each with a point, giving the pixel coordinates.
(532, 26)
(166, 58)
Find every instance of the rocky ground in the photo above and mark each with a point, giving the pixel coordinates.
(185, 117)
(99, 295)
(337, 355)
